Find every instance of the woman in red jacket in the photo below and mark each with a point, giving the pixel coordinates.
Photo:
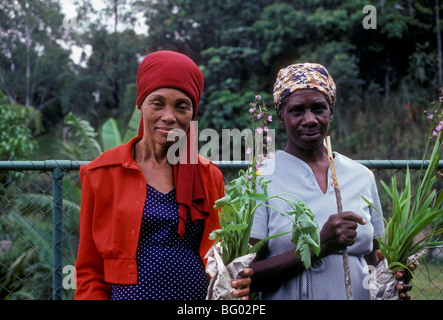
(144, 221)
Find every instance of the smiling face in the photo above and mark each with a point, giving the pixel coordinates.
(306, 115)
(164, 110)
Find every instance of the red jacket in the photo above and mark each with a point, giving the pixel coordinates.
(113, 194)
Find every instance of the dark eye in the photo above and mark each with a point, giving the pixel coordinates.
(296, 110)
(183, 106)
(319, 108)
(156, 103)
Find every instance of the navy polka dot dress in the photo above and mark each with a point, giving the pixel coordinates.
(168, 268)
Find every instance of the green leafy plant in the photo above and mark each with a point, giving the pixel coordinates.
(83, 143)
(415, 208)
(16, 135)
(242, 199)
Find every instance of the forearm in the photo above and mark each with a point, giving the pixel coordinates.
(272, 272)
(372, 259)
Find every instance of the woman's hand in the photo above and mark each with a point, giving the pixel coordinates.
(404, 277)
(339, 232)
(242, 285)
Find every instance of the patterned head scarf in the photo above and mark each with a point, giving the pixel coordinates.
(303, 76)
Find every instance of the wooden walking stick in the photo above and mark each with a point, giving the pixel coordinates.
(340, 210)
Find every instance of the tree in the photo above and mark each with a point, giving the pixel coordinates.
(219, 37)
(16, 138)
(103, 85)
(31, 59)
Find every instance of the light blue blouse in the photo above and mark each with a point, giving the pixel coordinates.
(324, 280)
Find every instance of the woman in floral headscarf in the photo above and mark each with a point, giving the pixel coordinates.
(304, 96)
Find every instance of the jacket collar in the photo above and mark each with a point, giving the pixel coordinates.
(122, 156)
(118, 156)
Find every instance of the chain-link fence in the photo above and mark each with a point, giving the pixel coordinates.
(39, 211)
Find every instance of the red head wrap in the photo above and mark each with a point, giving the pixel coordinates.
(167, 69)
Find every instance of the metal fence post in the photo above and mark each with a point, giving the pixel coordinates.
(57, 245)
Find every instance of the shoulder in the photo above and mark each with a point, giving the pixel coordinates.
(118, 156)
(208, 168)
(278, 164)
(349, 166)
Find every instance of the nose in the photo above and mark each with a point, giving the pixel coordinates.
(168, 114)
(309, 119)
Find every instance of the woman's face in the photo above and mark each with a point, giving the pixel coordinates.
(164, 110)
(306, 115)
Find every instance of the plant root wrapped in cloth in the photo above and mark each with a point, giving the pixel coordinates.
(383, 281)
(221, 276)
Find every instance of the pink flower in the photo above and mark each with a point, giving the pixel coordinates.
(251, 110)
(248, 151)
(438, 128)
(259, 130)
(265, 129)
(259, 116)
(268, 138)
(430, 117)
(257, 97)
(434, 133)
(270, 118)
(270, 154)
(257, 166)
(249, 177)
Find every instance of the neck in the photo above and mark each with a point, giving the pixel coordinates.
(143, 152)
(317, 155)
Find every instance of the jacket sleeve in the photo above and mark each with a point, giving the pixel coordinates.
(215, 188)
(90, 264)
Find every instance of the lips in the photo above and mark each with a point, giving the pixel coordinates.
(164, 130)
(310, 135)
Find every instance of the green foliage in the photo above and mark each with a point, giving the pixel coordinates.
(16, 138)
(414, 208)
(26, 267)
(111, 135)
(86, 146)
(240, 45)
(305, 233)
(31, 56)
(83, 144)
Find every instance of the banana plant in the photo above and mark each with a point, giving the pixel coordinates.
(89, 143)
